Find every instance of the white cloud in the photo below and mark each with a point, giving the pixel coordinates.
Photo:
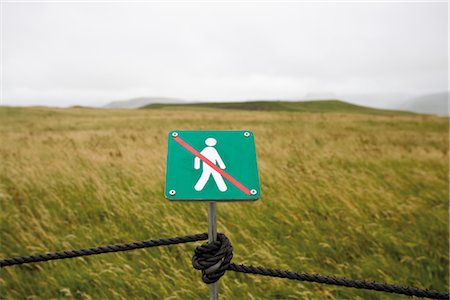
(90, 53)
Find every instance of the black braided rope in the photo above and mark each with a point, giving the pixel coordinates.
(103, 249)
(213, 259)
(358, 284)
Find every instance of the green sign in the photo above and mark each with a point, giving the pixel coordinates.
(212, 166)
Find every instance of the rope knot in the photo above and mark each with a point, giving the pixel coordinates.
(213, 259)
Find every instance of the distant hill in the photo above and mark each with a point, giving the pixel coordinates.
(378, 100)
(139, 102)
(299, 106)
(428, 104)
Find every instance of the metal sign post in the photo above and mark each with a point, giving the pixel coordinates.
(212, 237)
(212, 166)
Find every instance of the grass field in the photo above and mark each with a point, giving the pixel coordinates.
(360, 194)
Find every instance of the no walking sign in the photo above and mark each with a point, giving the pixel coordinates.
(211, 166)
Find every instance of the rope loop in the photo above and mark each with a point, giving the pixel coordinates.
(213, 259)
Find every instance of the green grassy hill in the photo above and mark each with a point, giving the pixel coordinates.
(319, 106)
(353, 194)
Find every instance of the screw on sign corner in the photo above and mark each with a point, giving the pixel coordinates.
(172, 192)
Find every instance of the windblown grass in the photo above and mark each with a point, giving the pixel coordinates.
(356, 195)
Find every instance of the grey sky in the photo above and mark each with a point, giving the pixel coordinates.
(84, 53)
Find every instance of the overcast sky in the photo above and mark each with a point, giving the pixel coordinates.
(62, 54)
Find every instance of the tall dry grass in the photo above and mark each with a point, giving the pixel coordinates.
(354, 195)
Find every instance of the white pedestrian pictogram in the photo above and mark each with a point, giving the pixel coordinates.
(211, 154)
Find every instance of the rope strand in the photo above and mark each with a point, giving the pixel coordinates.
(358, 284)
(213, 259)
(102, 249)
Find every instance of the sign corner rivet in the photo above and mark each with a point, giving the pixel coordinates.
(253, 192)
(172, 192)
(174, 134)
(246, 134)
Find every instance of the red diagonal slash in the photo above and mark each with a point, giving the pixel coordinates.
(212, 165)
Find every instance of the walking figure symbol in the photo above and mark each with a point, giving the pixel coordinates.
(211, 154)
